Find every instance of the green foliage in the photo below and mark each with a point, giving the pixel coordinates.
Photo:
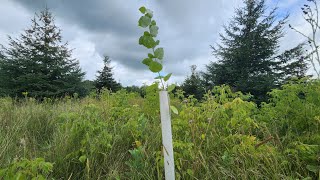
(27, 169)
(155, 59)
(118, 135)
(140, 90)
(248, 53)
(88, 87)
(293, 115)
(137, 161)
(39, 63)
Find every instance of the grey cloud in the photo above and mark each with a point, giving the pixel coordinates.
(98, 27)
(95, 15)
(185, 28)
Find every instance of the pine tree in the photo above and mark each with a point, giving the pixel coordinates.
(248, 59)
(39, 63)
(192, 85)
(105, 77)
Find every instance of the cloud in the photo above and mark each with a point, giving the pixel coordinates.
(99, 27)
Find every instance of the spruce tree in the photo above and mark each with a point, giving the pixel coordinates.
(192, 85)
(248, 57)
(105, 77)
(39, 63)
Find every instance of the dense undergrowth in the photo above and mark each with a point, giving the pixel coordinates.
(118, 136)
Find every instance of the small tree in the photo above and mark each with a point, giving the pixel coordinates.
(39, 63)
(105, 77)
(192, 85)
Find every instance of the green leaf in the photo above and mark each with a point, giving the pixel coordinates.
(190, 172)
(82, 158)
(154, 30)
(174, 109)
(146, 33)
(150, 55)
(159, 53)
(171, 87)
(154, 86)
(149, 13)
(144, 21)
(153, 22)
(143, 10)
(147, 41)
(146, 61)
(233, 122)
(167, 77)
(154, 66)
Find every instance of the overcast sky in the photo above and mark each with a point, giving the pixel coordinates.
(97, 27)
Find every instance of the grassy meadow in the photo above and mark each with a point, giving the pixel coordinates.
(118, 136)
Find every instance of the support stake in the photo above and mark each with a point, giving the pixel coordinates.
(166, 135)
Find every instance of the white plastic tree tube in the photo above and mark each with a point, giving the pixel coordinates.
(166, 136)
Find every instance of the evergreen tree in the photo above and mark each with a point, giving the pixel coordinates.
(292, 63)
(39, 63)
(192, 85)
(248, 59)
(105, 77)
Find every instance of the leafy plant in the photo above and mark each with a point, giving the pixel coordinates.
(155, 59)
(27, 169)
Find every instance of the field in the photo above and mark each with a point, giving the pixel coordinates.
(118, 136)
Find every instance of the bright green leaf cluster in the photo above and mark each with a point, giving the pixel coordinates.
(155, 59)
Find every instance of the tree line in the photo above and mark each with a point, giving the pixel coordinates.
(249, 56)
(249, 60)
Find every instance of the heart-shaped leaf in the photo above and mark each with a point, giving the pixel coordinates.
(159, 53)
(147, 61)
(147, 41)
(155, 66)
(144, 21)
(154, 30)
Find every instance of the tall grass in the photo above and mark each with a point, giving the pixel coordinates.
(118, 136)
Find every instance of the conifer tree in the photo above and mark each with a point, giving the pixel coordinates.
(192, 85)
(248, 52)
(39, 63)
(105, 77)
